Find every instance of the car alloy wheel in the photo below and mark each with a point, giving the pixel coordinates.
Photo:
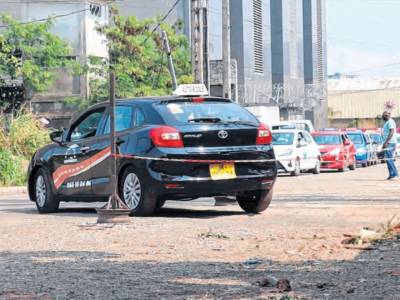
(132, 191)
(40, 191)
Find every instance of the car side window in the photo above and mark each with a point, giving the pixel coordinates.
(301, 138)
(123, 119)
(139, 117)
(307, 137)
(87, 127)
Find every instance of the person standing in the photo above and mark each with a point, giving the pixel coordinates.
(389, 145)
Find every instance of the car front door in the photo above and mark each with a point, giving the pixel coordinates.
(73, 160)
(313, 153)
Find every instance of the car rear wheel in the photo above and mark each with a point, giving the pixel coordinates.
(297, 169)
(43, 195)
(134, 192)
(317, 168)
(352, 167)
(255, 201)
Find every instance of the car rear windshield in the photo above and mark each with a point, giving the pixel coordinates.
(356, 138)
(207, 111)
(377, 138)
(327, 139)
(282, 138)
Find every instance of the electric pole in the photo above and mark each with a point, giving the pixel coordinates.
(171, 66)
(199, 41)
(226, 50)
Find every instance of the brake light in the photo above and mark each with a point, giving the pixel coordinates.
(198, 100)
(166, 136)
(264, 136)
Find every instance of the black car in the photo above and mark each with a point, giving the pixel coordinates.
(170, 148)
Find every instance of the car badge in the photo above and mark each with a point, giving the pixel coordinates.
(222, 134)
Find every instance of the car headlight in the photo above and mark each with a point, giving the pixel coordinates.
(287, 152)
(361, 151)
(335, 152)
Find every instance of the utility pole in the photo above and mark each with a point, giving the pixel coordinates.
(171, 66)
(199, 41)
(226, 49)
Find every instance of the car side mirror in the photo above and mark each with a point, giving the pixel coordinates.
(346, 143)
(56, 136)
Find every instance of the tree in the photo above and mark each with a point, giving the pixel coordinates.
(138, 59)
(32, 53)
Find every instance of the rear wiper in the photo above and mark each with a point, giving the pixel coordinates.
(205, 120)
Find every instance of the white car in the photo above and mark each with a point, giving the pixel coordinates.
(296, 151)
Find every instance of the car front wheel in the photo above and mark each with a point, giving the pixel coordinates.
(255, 201)
(43, 195)
(134, 192)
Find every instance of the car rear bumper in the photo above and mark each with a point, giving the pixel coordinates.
(182, 189)
(177, 180)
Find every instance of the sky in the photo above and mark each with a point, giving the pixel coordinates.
(363, 37)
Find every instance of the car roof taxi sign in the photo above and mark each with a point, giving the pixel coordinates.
(191, 90)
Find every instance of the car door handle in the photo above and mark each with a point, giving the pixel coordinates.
(119, 141)
(85, 149)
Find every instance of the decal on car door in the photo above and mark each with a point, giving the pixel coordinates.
(65, 172)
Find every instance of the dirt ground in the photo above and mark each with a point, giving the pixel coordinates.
(195, 250)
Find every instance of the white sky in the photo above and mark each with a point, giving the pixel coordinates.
(364, 37)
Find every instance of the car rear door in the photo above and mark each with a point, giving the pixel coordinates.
(128, 118)
(72, 161)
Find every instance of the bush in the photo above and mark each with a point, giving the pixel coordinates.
(12, 171)
(27, 135)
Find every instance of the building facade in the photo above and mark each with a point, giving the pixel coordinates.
(78, 28)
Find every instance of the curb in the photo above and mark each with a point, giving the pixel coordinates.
(14, 190)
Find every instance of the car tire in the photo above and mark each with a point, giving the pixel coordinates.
(364, 165)
(352, 167)
(297, 169)
(255, 201)
(317, 168)
(45, 200)
(134, 191)
(160, 203)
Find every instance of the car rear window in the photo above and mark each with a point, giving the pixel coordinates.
(377, 138)
(327, 139)
(356, 138)
(282, 138)
(207, 111)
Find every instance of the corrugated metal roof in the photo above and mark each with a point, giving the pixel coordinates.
(357, 84)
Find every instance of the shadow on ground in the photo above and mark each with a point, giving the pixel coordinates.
(100, 275)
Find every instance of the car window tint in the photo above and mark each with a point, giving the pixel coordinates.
(209, 111)
(87, 127)
(123, 119)
(139, 117)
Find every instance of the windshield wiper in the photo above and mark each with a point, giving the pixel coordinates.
(205, 120)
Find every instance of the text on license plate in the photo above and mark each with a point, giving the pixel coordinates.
(222, 171)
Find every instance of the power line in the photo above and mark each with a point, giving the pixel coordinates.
(162, 20)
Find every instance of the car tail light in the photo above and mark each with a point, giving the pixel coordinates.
(264, 136)
(198, 100)
(167, 137)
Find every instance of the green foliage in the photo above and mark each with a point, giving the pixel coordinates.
(11, 169)
(139, 61)
(33, 53)
(26, 135)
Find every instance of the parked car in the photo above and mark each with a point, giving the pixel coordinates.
(337, 150)
(296, 151)
(364, 151)
(377, 142)
(76, 167)
(305, 125)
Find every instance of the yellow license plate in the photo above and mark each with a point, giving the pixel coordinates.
(222, 171)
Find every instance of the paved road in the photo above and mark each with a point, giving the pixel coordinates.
(198, 250)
